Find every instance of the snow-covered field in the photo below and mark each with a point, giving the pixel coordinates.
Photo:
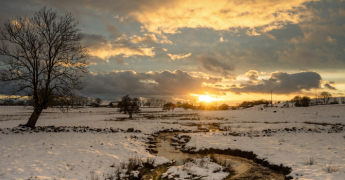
(310, 140)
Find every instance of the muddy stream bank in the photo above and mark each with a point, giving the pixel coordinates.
(168, 146)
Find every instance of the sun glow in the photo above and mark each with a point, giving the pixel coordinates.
(206, 98)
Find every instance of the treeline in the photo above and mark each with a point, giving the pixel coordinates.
(12, 102)
(152, 102)
(54, 101)
(323, 98)
(187, 105)
(253, 103)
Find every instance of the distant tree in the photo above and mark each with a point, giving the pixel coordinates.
(98, 101)
(129, 105)
(111, 104)
(65, 102)
(149, 102)
(81, 101)
(296, 100)
(223, 107)
(334, 101)
(142, 102)
(187, 106)
(9, 102)
(169, 106)
(325, 96)
(45, 57)
(93, 104)
(305, 101)
(342, 99)
(20, 103)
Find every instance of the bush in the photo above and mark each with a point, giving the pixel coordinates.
(223, 107)
(330, 168)
(169, 106)
(301, 101)
(187, 106)
(305, 101)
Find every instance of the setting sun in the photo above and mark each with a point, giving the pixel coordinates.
(206, 98)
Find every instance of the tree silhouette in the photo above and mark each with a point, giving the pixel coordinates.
(325, 96)
(45, 57)
(98, 101)
(129, 105)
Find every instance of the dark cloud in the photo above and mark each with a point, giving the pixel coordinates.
(252, 75)
(328, 86)
(166, 83)
(94, 40)
(118, 60)
(159, 49)
(316, 43)
(114, 31)
(283, 83)
(217, 67)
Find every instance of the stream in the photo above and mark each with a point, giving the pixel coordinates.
(243, 168)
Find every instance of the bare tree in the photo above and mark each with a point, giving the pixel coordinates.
(66, 102)
(45, 57)
(149, 102)
(142, 102)
(342, 100)
(325, 96)
(155, 102)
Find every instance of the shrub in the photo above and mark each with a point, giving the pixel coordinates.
(187, 106)
(223, 107)
(330, 168)
(310, 161)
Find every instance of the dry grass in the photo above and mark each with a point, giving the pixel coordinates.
(310, 161)
(330, 168)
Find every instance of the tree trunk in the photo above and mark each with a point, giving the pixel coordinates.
(34, 117)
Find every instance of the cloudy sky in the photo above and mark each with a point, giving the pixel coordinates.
(233, 50)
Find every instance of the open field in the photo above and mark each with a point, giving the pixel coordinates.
(309, 140)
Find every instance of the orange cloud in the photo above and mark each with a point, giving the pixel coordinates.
(149, 38)
(179, 56)
(100, 47)
(109, 50)
(259, 16)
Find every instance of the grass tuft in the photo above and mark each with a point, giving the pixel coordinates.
(310, 161)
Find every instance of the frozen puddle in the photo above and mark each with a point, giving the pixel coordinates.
(242, 168)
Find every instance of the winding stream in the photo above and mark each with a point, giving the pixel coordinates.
(244, 168)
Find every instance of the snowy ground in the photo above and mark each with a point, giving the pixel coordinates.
(74, 155)
(198, 168)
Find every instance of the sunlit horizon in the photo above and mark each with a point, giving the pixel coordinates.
(207, 98)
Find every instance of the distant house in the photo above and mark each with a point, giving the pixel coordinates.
(113, 104)
(93, 104)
